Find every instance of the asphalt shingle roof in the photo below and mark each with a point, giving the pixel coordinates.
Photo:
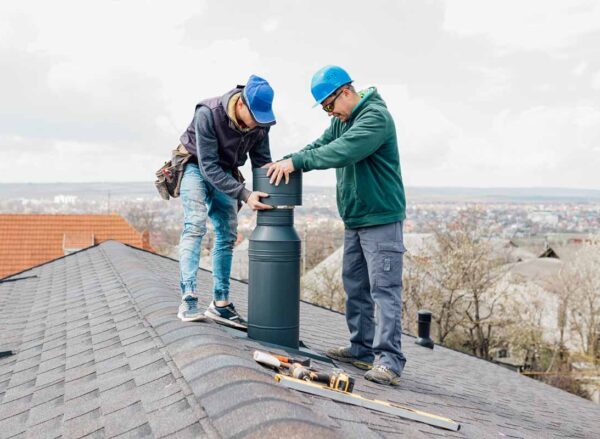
(99, 352)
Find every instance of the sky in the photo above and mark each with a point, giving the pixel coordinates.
(483, 93)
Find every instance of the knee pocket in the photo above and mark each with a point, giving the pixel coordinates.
(388, 264)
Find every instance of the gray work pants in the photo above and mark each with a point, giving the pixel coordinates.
(372, 274)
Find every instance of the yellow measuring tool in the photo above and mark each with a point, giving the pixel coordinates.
(372, 404)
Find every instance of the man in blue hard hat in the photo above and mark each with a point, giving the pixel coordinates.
(225, 130)
(361, 144)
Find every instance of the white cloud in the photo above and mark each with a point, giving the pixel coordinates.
(596, 81)
(516, 24)
(85, 84)
(424, 132)
(542, 146)
(496, 82)
(65, 161)
(271, 25)
(580, 68)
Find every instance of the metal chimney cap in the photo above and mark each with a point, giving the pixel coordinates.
(424, 315)
(287, 195)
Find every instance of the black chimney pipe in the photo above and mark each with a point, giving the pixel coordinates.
(274, 264)
(424, 322)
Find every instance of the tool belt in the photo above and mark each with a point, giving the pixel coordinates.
(168, 177)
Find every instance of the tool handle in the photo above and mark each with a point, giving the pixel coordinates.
(266, 359)
(321, 377)
(288, 360)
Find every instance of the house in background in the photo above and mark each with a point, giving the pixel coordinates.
(27, 240)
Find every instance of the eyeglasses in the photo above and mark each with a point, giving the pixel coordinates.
(330, 106)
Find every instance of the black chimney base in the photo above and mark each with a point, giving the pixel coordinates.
(425, 342)
(424, 323)
(302, 351)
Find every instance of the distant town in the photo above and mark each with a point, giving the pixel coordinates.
(505, 213)
(509, 214)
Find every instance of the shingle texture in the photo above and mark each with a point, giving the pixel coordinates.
(27, 240)
(99, 352)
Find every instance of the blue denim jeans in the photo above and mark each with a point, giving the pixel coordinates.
(200, 201)
(372, 274)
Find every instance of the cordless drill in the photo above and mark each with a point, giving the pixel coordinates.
(337, 380)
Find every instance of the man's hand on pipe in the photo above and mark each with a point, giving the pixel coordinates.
(280, 169)
(254, 201)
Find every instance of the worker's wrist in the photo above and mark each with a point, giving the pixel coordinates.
(245, 194)
(297, 162)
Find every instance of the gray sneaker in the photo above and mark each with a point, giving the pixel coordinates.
(383, 375)
(344, 355)
(188, 310)
(226, 315)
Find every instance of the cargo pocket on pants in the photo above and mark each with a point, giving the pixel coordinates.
(389, 264)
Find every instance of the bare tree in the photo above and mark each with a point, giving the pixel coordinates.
(525, 338)
(483, 294)
(319, 242)
(413, 292)
(429, 283)
(324, 287)
(459, 281)
(578, 286)
(141, 217)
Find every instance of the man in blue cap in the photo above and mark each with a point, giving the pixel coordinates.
(224, 132)
(361, 144)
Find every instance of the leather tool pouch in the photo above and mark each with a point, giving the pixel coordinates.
(168, 177)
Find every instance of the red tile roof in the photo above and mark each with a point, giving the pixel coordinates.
(27, 240)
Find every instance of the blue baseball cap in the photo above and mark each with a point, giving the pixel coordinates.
(258, 96)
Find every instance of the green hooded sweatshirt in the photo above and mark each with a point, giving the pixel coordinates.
(364, 151)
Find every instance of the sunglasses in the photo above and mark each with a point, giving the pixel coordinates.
(330, 106)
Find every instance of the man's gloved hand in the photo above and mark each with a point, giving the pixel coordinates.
(280, 169)
(254, 203)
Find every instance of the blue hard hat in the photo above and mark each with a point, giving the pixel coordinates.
(258, 96)
(326, 81)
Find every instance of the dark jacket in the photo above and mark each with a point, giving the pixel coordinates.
(364, 151)
(221, 147)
